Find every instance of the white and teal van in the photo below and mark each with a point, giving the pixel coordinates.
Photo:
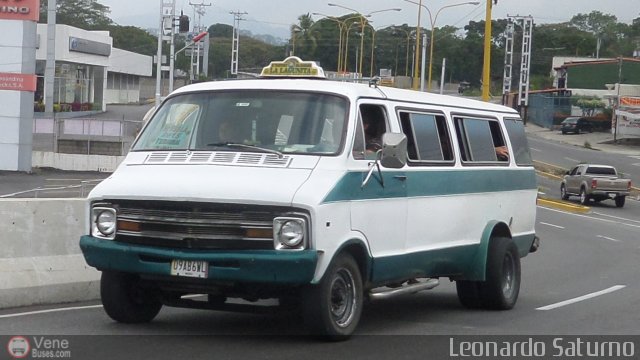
(266, 189)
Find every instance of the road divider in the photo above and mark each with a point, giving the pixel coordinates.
(563, 205)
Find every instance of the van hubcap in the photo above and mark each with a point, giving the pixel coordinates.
(343, 298)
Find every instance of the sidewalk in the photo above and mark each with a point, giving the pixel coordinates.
(597, 140)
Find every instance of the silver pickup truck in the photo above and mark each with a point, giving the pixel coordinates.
(597, 182)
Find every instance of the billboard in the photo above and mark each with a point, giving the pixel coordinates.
(627, 121)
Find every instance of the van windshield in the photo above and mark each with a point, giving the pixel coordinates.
(253, 121)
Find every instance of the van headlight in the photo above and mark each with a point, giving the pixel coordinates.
(289, 233)
(103, 222)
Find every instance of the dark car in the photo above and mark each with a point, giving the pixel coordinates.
(576, 125)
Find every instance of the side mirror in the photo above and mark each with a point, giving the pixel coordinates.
(394, 150)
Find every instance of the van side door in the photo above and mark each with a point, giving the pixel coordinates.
(378, 211)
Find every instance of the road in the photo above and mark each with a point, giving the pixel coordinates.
(568, 156)
(582, 281)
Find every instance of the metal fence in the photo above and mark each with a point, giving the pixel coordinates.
(90, 136)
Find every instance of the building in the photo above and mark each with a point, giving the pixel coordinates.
(90, 72)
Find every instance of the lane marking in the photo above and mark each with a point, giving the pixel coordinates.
(534, 149)
(616, 217)
(590, 217)
(50, 311)
(574, 160)
(582, 298)
(552, 225)
(608, 238)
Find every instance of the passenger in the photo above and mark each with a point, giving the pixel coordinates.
(372, 140)
(502, 152)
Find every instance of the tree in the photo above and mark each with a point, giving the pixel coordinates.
(84, 14)
(304, 36)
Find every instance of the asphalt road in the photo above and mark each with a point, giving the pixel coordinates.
(582, 281)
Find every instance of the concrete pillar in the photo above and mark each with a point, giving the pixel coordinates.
(17, 86)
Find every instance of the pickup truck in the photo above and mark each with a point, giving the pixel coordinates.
(597, 182)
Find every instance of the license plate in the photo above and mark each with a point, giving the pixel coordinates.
(613, 196)
(190, 268)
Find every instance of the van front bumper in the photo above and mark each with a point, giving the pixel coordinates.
(261, 266)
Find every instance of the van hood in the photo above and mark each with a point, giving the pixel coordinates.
(210, 183)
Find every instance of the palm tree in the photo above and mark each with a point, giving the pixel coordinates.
(303, 37)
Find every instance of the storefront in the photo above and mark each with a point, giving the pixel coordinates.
(85, 61)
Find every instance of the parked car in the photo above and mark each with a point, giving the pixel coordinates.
(576, 125)
(597, 182)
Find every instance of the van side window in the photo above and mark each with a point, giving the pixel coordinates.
(479, 139)
(519, 144)
(372, 123)
(427, 135)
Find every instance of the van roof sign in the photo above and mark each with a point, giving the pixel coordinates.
(293, 66)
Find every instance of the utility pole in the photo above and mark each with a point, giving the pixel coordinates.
(486, 68)
(167, 24)
(237, 16)
(198, 9)
(508, 60)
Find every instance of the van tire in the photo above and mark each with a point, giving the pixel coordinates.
(502, 285)
(469, 294)
(332, 308)
(125, 301)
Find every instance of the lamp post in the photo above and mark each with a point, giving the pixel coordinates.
(362, 24)
(373, 46)
(432, 22)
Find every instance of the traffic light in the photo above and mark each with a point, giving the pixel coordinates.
(183, 24)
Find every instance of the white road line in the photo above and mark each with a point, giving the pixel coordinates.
(534, 149)
(50, 311)
(582, 298)
(574, 160)
(552, 225)
(616, 217)
(590, 217)
(608, 238)
(636, 164)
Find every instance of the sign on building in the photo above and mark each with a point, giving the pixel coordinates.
(627, 122)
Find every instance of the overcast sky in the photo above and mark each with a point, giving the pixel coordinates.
(275, 16)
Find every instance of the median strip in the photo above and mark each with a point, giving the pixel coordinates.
(563, 205)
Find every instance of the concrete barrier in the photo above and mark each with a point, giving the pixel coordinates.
(75, 162)
(40, 260)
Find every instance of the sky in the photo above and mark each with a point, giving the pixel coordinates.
(274, 17)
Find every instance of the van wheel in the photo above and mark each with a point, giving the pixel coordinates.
(563, 192)
(584, 198)
(333, 307)
(502, 285)
(469, 294)
(620, 201)
(125, 301)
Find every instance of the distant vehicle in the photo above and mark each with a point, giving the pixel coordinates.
(597, 182)
(576, 125)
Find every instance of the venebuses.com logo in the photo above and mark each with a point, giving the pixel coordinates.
(18, 347)
(38, 347)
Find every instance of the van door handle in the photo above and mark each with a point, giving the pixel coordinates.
(400, 177)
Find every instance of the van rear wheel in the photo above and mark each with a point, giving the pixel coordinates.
(501, 287)
(333, 307)
(125, 301)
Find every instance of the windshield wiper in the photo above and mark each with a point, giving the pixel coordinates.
(248, 147)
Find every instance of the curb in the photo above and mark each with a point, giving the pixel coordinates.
(563, 205)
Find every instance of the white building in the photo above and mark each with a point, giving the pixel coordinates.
(90, 72)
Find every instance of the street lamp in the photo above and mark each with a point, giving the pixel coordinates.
(342, 24)
(406, 60)
(362, 24)
(432, 21)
